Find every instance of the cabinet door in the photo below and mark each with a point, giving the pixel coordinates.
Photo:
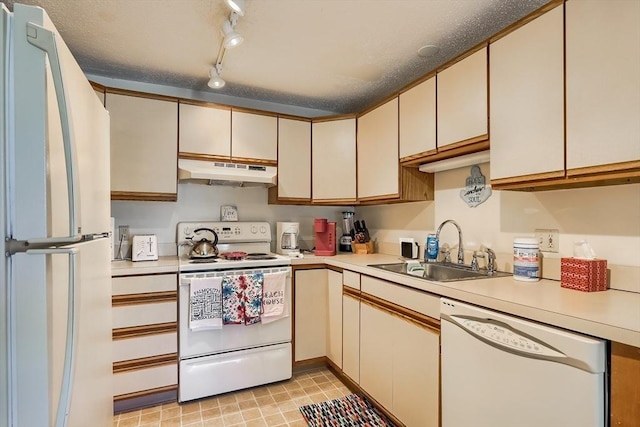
(144, 145)
(334, 317)
(603, 95)
(376, 353)
(527, 99)
(462, 101)
(310, 322)
(333, 160)
(378, 152)
(205, 130)
(417, 125)
(254, 137)
(294, 159)
(416, 366)
(351, 337)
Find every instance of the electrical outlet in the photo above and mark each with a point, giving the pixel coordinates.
(548, 240)
(123, 233)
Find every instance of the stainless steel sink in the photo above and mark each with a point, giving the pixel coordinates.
(438, 272)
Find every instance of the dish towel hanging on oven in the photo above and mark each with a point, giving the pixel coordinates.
(274, 306)
(242, 299)
(205, 303)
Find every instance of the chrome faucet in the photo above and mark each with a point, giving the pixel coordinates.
(491, 259)
(460, 248)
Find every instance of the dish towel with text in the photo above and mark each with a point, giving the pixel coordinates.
(274, 305)
(205, 303)
(242, 299)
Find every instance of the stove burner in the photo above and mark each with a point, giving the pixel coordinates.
(257, 256)
(203, 260)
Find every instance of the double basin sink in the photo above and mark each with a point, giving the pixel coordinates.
(438, 272)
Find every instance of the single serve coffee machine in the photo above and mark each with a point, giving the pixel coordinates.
(325, 241)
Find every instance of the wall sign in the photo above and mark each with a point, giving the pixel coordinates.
(476, 190)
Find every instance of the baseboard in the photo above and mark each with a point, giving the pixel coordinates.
(145, 399)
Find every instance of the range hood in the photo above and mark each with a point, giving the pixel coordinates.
(230, 174)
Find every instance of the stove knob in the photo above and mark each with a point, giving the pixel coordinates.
(254, 229)
(263, 229)
(187, 230)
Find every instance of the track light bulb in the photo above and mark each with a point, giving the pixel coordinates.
(215, 81)
(231, 37)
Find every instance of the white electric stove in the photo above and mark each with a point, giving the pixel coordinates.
(237, 356)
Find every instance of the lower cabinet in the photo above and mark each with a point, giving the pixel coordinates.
(145, 358)
(351, 337)
(334, 317)
(310, 315)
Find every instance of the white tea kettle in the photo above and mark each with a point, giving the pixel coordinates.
(287, 238)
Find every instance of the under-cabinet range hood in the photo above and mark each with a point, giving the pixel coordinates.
(223, 173)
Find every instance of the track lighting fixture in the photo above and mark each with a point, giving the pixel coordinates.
(231, 37)
(236, 5)
(215, 81)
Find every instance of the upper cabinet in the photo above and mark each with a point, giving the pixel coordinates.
(254, 138)
(462, 102)
(144, 147)
(333, 160)
(294, 160)
(417, 120)
(603, 91)
(205, 132)
(527, 100)
(378, 153)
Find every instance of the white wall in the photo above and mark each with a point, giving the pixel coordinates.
(607, 217)
(197, 202)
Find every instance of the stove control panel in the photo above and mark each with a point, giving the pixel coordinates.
(228, 232)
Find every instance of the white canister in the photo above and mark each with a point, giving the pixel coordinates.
(526, 259)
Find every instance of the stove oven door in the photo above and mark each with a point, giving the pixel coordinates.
(230, 337)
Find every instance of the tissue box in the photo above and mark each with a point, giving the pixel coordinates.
(588, 275)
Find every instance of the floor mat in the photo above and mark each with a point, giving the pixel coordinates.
(352, 410)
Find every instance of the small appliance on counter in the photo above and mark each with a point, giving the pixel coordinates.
(144, 247)
(347, 231)
(325, 241)
(287, 238)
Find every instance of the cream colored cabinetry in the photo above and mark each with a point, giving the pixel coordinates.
(144, 147)
(205, 132)
(417, 120)
(603, 95)
(378, 152)
(145, 341)
(527, 100)
(310, 321)
(400, 351)
(462, 102)
(254, 138)
(334, 317)
(294, 160)
(333, 160)
(351, 337)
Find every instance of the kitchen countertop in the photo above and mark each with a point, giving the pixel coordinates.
(612, 314)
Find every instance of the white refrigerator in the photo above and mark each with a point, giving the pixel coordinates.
(55, 299)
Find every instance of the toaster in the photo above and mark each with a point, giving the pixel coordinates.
(144, 247)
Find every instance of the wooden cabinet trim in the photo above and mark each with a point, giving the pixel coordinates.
(204, 104)
(609, 169)
(251, 161)
(625, 384)
(145, 363)
(157, 197)
(205, 157)
(543, 182)
(447, 152)
(142, 274)
(351, 292)
(252, 111)
(146, 298)
(397, 310)
(137, 94)
(143, 330)
(143, 393)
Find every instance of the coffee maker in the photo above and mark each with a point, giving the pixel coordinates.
(347, 231)
(287, 238)
(325, 232)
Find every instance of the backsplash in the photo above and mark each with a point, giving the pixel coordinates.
(607, 217)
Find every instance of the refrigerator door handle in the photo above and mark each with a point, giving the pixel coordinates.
(45, 40)
(64, 402)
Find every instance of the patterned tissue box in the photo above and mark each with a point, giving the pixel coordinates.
(588, 275)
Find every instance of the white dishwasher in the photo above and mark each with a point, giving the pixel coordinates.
(501, 371)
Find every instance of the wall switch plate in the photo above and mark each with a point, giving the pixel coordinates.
(548, 239)
(123, 233)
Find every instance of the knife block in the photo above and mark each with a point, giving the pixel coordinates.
(363, 248)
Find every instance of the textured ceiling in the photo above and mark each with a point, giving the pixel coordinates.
(340, 56)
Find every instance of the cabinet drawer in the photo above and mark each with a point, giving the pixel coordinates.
(421, 302)
(145, 379)
(139, 347)
(143, 284)
(351, 279)
(144, 314)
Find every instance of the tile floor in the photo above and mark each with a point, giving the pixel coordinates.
(266, 406)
